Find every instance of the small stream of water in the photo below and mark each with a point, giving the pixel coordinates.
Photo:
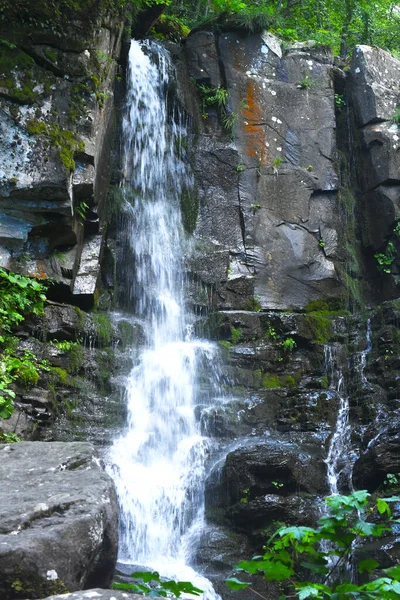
(158, 464)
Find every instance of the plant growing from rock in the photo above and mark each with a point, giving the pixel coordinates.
(299, 560)
(19, 296)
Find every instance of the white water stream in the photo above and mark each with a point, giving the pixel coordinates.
(158, 464)
(340, 459)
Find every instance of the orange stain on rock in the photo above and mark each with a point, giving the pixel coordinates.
(252, 117)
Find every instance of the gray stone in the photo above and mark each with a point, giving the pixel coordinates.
(202, 58)
(267, 192)
(375, 84)
(58, 522)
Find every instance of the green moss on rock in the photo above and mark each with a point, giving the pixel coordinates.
(64, 140)
(320, 329)
(190, 209)
(103, 328)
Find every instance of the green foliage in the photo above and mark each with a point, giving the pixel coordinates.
(305, 82)
(64, 346)
(236, 334)
(103, 329)
(9, 438)
(253, 304)
(150, 584)
(19, 296)
(299, 559)
(270, 382)
(288, 344)
(340, 102)
(81, 211)
(320, 328)
(385, 260)
(340, 24)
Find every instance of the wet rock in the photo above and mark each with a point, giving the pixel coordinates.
(381, 458)
(58, 522)
(221, 549)
(272, 508)
(264, 468)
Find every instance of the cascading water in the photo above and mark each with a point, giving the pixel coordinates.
(158, 464)
(341, 457)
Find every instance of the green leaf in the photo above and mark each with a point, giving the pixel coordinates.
(146, 576)
(393, 572)
(236, 584)
(367, 565)
(383, 507)
(308, 592)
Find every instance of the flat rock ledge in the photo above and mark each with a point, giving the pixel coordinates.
(96, 594)
(58, 520)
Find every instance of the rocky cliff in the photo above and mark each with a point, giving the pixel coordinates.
(293, 268)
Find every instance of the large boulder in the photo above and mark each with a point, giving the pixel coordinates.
(58, 520)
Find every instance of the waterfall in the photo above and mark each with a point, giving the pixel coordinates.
(158, 463)
(341, 458)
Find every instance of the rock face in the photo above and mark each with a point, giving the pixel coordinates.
(264, 170)
(374, 87)
(56, 100)
(58, 520)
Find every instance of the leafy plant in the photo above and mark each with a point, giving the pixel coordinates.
(310, 562)
(64, 346)
(277, 484)
(81, 210)
(236, 334)
(305, 82)
(321, 243)
(386, 259)
(392, 479)
(288, 344)
(9, 438)
(19, 296)
(245, 496)
(340, 102)
(150, 584)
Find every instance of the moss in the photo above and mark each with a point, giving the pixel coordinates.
(103, 329)
(126, 333)
(236, 334)
(58, 375)
(324, 382)
(270, 382)
(320, 328)
(75, 359)
(25, 584)
(253, 305)
(28, 375)
(62, 139)
(326, 306)
(169, 27)
(80, 321)
(290, 381)
(189, 202)
(106, 364)
(50, 55)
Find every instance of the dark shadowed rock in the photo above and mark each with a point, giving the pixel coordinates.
(58, 522)
(381, 458)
